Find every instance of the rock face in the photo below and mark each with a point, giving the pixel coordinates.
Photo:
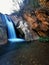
(22, 28)
(33, 24)
(38, 21)
(3, 32)
(44, 3)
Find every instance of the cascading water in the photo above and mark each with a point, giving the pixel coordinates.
(13, 5)
(11, 31)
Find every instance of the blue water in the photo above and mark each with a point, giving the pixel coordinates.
(12, 36)
(11, 30)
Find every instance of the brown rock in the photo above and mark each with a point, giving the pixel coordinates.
(31, 20)
(44, 3)
(39, 22)
(44, 20)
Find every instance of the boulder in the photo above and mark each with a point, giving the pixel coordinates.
(25, 29)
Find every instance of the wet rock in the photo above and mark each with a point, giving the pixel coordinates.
(20, 33)
(3, 33)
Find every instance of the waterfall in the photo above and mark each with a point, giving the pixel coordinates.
(11, 31)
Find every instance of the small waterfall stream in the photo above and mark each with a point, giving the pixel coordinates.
(11, 31)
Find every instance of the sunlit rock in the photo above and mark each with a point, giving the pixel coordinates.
(38, 21)
(44, 4)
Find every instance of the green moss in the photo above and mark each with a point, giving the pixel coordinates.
(44, 39)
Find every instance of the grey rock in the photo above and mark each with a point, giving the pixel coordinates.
(3, 33)
(24, 27)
